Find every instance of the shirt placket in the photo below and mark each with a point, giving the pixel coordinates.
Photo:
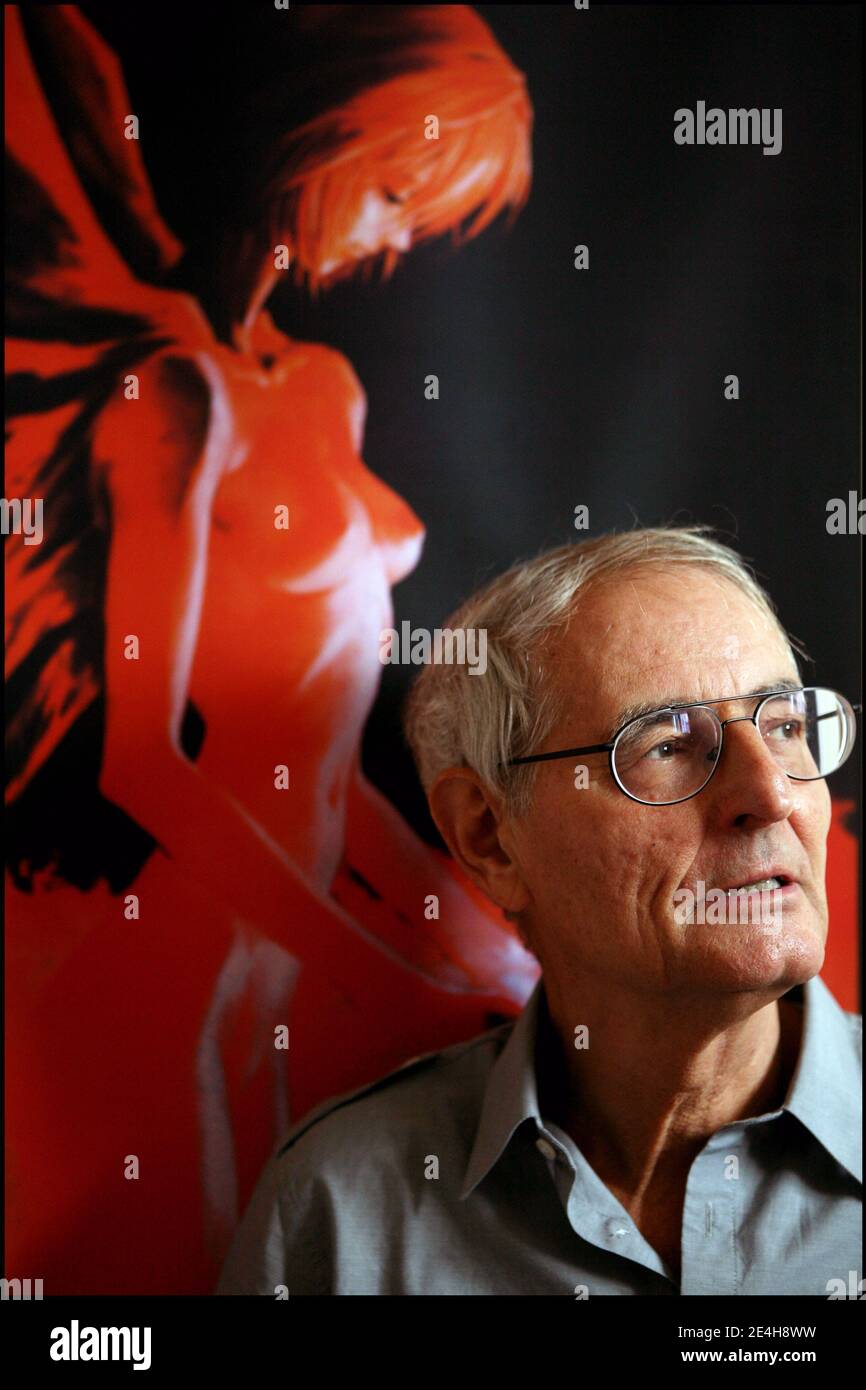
(709, 1234)
(591, 1208)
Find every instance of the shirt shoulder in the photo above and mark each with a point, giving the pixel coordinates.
(852, 1023)
(855, 1031)
(443, 1077)
(335, 1185)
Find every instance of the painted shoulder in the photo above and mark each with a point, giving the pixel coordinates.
(427, 1061)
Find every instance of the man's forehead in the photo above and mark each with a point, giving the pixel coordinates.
(706, 612)
(652, 638)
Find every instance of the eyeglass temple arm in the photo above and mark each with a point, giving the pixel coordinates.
(565, 753)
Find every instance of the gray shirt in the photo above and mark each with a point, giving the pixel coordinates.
(443, 1178)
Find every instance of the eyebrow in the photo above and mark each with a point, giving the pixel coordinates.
(642, 707)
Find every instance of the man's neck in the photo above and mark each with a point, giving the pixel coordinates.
(641, 1114)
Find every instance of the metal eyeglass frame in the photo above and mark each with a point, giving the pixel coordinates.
(722, 723)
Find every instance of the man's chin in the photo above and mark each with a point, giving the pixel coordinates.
(756, 955)
(756, 950)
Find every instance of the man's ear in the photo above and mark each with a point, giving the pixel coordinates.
(470, 819)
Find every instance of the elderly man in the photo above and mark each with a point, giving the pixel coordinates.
(676, 1110)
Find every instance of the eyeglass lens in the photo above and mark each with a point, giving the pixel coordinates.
(670, 754)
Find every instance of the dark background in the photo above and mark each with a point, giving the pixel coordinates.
(605, 387)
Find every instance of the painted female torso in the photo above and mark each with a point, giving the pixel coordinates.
(286, 665)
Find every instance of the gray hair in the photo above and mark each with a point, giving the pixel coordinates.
(453, 718)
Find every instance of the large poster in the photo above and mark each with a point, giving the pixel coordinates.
(318, 316)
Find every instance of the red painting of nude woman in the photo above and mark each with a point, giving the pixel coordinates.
(170, 902)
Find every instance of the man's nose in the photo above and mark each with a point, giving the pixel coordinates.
(749, 782)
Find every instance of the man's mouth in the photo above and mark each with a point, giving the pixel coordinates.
(762, 885)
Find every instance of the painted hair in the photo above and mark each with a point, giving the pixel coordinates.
(320, 102)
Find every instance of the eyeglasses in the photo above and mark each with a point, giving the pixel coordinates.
(670, 754)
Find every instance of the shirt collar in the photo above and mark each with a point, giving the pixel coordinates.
(824, 1094)
(511, 1095)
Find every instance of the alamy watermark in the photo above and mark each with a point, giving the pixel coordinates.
(20, 1289)
(460, 646)
(22, 516)
(736, 126)
(755, 906)
(77, 1343)
(846, 517)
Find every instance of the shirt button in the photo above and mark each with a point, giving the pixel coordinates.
(545, 1148)
(616, 1228)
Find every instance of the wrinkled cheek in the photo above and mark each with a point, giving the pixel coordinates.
(812, 818)
(621, 872)
(573, 870)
